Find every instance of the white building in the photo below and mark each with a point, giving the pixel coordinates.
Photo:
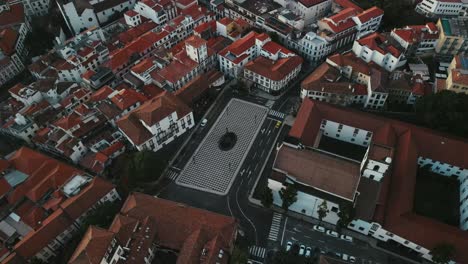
(84, 14)
(441, 8)
(311, 46)
(157, 122)
(160, 12)
(417, 39)
(234, 57)
(376, 48)
(34, 7)
(309, 10)
(274, 69)
(345, 79)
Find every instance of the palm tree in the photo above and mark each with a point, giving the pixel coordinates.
(288, 195)
(322, 210)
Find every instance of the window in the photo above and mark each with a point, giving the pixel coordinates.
(361, 228)
(334, 209)
(376, 167)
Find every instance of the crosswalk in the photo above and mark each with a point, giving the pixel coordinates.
(277, 114)
(171, 174)
(257, 251)
(275, 226)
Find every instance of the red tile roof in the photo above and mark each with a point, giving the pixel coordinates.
(101, 94)
(13, 16)
(195, 41)
(92, 247)
(196, 88)
(309, 3)
(395, 209)
(348, 3)
(127, 97)
(274, 70)
(417, 33)
(379, 43)
(151, 112)
(274, 48)
(8, 38)
(370, 13)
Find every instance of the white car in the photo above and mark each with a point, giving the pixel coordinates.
(332, 233)
(301, 250)
(203, 122)
(288, 246)
(348, 258)
(346, 238)
(318, 228)
(308, 252)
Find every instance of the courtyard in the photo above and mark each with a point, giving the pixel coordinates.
(214, 164)
(437, 197)
(342, 148)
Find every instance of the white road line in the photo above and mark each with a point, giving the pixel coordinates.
(284, 229)
(242, 212)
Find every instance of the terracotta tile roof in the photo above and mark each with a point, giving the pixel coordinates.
(319, 170)
(196, 88)
(195, 41)
(131, 13)
(8, 38)
(206, 26)
(143, 65)
(76, 205)
(151, 90)
(4, 187)
(101, 94)
(151, 112)
(225, 21)
(127, 97)
(181, 227)
(370, 13)
(274, 70)
(394, 210)
(417, 33)
(175, 70)
(274, 48)
(309, 3)
(33, 242)
(92, 247)
(348, 3)
(13, 16)
(460, 76)
(379, 43)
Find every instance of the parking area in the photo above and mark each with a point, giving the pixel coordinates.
(329, 242)
(212, 168)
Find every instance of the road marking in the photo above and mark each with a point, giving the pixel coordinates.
(275, 226)
(242, 212)
(229, 206)
(257, 251)
(284, 229)
(256, 165)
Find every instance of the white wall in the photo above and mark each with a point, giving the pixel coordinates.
(346, 133)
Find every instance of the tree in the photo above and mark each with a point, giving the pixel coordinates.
(288, 196)
(274, 37)
(267, 197)
(143, 167)
(239, 256)
(446, 111)
(102, 215)
(442, 253)
(322, 210)
(346, 215)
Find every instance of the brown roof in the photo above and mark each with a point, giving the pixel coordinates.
(274, 70)
(192, 91)
(151, 112)
(319, 170)
(92, 247)
(395, 203)
(168, 224)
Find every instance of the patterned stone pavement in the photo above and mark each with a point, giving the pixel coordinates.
(213, 170)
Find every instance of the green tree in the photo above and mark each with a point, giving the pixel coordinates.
(322, 210)
(143, 167)
(267, 197)
(442, 253)
(288, 196)
(103, 215)
(239, 256)
(274, 37)
(445, 111)
(346, 215)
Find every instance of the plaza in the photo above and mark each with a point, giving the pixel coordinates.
(213, 167)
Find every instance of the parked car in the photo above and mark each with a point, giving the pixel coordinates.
(203, 122)
(288, 246)
(301, 250)
(346, 238)
(278, 124)
(318, 228)
(308, 252)
(349, 258)
(332, 233)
